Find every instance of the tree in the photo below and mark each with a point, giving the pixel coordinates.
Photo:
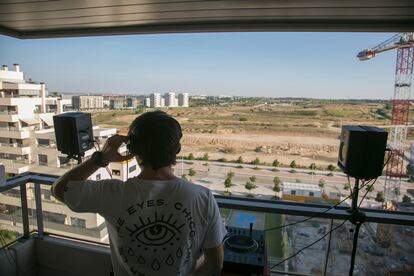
(256, 161)
(346, 186)
(252, 178)
(293, 164)
(312, 166)
(276, 163)
(190, 156)
(230, 174)
(388, 106)
(249, 186)
(406, 198)
(380, 197)
(276, 182)
(321, 183)
(205, 157)
(239, 160)
(191, 172)
(227, 183)
(370, 188)
(330, 167)
(298, 180)
(184, 177)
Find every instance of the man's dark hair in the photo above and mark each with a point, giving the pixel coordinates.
(155, 138)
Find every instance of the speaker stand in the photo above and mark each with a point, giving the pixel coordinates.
(357, 218)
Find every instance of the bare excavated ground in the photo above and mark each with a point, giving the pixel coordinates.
(302, 131)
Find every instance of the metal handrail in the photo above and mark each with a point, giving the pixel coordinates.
(317, 210)
(259, 205)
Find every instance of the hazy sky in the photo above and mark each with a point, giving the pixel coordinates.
(318, 65)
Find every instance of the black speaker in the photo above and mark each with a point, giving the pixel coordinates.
(362, 150)
(73, 131)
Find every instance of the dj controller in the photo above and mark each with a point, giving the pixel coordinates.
(244, 251)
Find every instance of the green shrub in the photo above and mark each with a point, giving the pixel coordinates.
(256, 161)
(406, 198)
(380, 197)
(205, 157)
(191, 172)
(239, 160)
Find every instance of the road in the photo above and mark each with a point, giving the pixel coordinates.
(212, 174)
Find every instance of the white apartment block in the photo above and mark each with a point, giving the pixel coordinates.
(183, 100)
(27, 143)
(170, 99)
(155, 100)
(147, 102)
(86, 102)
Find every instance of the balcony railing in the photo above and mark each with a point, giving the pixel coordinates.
(8, 112)
(324, 218)
(14, 145)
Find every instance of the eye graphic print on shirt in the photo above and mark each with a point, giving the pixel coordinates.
(156, 235)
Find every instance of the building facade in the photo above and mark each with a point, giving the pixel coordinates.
(155, 100)
(86, 102)
(117, 103)
(170, 100)
(131, 102)
(28, 143)
(147, 102)
(183, 100)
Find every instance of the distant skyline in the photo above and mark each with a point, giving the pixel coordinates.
(311, 65)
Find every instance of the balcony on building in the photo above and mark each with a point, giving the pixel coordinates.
(47, 239)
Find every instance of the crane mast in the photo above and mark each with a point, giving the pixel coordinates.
(404, 43)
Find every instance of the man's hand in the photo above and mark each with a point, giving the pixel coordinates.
(84, 170)
(110, 151)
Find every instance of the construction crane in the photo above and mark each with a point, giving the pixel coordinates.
(404, 43)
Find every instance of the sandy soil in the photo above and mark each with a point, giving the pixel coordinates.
(303, 149)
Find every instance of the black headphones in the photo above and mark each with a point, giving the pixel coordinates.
(161, 116)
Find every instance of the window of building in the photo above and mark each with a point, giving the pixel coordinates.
(78, 222)
(132, 168)
(54, 217)
(116, 172)
(42, 159)
(43, 142)
(63, 160)
(98, 176)
(310, 193)
(293, 192)
(46, 194)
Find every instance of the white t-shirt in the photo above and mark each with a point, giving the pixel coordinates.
(154, 227)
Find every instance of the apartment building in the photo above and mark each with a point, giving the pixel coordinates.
(147, 102)
(183, 100)
(131, 102)
(155, 100)
(170, 100)
(86, 102)
(28, 143)
(117, 103)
